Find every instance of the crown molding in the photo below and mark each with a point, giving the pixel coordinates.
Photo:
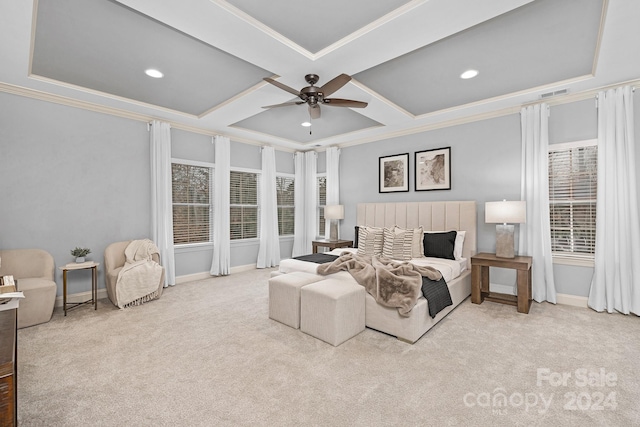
(118, 112)
(113, 111)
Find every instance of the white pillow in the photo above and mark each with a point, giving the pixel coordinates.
(457, 249)
(459, 242)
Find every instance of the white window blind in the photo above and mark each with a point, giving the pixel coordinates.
(572, 198)
(286, 206)
(243, 205)
(322, 201)
(191, 203)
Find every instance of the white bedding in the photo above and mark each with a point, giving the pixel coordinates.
(449, 268)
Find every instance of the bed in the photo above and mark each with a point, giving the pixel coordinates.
(432, 217)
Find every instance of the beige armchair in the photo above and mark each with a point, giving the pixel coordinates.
(34, 270)
(114, 260)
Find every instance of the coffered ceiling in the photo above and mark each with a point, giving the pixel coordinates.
(405, 57)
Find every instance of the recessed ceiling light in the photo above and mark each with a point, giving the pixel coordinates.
(305, 124)
(154, 73)
(469, 74)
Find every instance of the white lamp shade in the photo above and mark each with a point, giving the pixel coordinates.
(505, 212)
(334, 212)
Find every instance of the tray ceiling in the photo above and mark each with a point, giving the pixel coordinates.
(405, 58)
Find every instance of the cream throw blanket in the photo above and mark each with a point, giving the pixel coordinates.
(138, 281)
(390, 283)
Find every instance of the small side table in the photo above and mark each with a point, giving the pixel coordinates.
(480, 264)
(331, 245)
(94, 285)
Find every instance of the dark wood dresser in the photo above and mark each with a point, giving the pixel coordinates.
(8, 368)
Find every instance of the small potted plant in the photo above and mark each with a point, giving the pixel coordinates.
(80, 253)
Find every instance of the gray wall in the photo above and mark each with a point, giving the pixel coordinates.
(189, 146)
(72, 177)
(485, 166)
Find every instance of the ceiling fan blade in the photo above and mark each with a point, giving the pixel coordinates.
(282, 86)
(286, 104)
(335, 84)
(337, 102)
(314, 111)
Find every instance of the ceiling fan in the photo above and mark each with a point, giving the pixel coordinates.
(314, 95)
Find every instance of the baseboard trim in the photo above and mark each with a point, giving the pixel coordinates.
(502, 289)
(564, 299)
(572, 300)
(241, 268)
(192, 277)
(102, 292)
(80, 297)
(206, 275)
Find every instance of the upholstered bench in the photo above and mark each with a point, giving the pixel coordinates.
(284, 296)
(332, 310)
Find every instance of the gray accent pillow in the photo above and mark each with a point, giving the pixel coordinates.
(440, 245)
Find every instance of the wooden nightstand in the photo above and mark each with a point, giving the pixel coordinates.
(331, 245)
(480, 264)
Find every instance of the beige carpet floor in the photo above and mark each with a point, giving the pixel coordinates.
(206, 354)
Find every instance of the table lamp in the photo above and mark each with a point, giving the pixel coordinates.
(504, 214)
(333, 213)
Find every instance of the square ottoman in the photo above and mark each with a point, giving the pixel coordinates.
(284, 296)
(332, 310)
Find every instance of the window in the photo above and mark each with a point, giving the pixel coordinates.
(286, 210)
(243, 205)
(322, 201)
(572, 198)
(191, 203)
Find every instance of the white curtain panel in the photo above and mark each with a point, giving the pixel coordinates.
(616, 278)
(299, 240)
(269, 251)
(221, 262)
(333, 183)
(310, 198)
(306, 202)
(535, 234)
(161, 198)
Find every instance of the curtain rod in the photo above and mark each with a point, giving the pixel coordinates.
(149, 124)
(580, 96)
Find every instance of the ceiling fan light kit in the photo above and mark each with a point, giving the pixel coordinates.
(314, 96)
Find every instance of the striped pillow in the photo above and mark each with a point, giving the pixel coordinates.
(398, 243)
(417, 250)
(370, 241)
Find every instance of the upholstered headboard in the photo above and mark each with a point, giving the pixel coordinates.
(432, 216)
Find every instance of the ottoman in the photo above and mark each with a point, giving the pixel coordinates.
(332, 310)
(284, 296)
